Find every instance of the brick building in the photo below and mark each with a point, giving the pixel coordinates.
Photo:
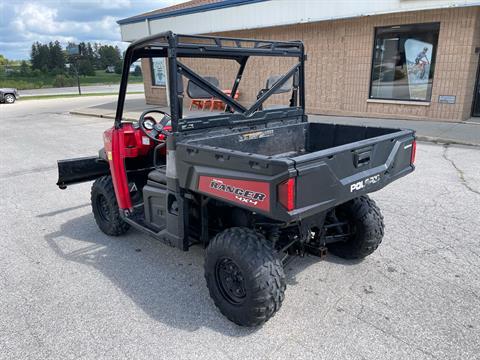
(407, 59)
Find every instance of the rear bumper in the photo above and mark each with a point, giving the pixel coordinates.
(74, 171)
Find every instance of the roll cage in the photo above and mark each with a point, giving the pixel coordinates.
(172, 46)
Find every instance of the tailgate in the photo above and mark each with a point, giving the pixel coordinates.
(332, 176)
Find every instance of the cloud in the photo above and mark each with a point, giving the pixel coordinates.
(39, 19)
(25, 21)
(114, 4)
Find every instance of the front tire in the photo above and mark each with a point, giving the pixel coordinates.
(244, 276)
(9, 98)
(366, 224)
(105, 207)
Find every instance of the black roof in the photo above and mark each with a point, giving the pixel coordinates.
(212, 46)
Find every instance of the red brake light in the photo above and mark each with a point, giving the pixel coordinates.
(414, 152)
(286, 194)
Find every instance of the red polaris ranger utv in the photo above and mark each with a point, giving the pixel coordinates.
(253, 184)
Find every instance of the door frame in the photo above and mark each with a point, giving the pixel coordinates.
(476, 90)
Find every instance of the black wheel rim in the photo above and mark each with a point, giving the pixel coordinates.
(230, 281)
(103, 208)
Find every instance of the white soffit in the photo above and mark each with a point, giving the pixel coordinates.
(276, 13)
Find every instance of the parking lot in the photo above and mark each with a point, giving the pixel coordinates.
(69, 291)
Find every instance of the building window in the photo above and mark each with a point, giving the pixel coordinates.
(404, 62)
(158, 71)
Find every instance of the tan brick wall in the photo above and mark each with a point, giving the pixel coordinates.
(257, 71)
(153, 94)
(339, 64)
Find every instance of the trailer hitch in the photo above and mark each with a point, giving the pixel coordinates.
(320, 251)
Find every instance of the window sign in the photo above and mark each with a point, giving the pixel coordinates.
(418, 55)
(159, 71)
(404, 62)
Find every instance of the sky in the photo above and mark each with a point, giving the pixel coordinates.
(23, 22)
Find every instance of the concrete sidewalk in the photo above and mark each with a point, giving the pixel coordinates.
(466, 133)
(86, 89)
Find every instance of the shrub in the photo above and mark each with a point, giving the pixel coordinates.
(36, 73)
(86, 68)
(57, 71)
(19, 84)
(63, 81)
(24, 69)
(118, 68)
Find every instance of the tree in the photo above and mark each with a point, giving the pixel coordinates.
(90, 54)
(52, 58)
(34, 56)
(24, 68)
(86, 68)
(56, 57)
(86, 64)
(96, 48)
(44, 57)
(40, 57)
(137, 71)
(3, 60)
(109, 55)
(118, 68)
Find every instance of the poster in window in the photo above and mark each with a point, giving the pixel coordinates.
(419, 58)
(158, 71)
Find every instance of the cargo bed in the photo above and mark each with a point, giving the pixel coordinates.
(331, 163)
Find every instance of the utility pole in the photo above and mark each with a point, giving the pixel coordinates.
(78, 77)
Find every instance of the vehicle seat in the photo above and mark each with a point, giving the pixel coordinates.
(199, 97)
(158, 176)
(196, 92)
(285, 88)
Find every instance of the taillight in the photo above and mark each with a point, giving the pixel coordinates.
(414, 152)
(286, 194)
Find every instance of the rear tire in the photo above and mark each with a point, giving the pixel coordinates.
(9, 98)
(105, 207)
(366, 220)
(244, 276)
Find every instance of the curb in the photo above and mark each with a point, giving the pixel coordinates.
(103, 116)
(82, 113)
(442, 141)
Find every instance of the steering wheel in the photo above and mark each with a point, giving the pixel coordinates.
(152, 128)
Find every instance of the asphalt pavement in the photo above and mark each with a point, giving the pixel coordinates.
(67, 291)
